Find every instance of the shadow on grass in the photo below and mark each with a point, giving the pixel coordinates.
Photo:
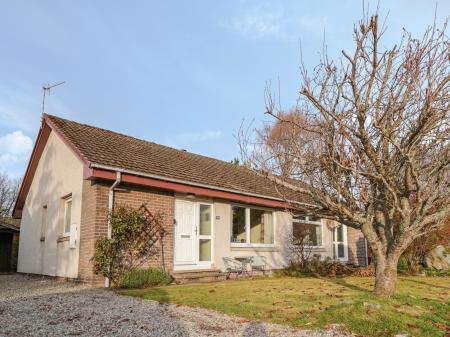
(341, 281)
(434, 285)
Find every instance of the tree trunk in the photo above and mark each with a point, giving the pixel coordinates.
(386, 275)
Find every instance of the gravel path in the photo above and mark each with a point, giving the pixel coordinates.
(36, 306)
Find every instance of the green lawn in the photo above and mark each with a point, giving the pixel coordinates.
(420, 307)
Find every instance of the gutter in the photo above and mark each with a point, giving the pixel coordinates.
(110, 209)
(184, 182)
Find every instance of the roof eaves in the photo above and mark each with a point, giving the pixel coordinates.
(184, 182)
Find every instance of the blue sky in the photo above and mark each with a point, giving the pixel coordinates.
(180, 73)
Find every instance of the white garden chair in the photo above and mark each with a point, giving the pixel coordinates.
(233, 266)
(259, 263)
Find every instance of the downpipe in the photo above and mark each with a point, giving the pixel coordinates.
(110, 209)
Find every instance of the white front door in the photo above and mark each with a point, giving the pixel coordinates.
(184, 232)
(340, 247)
(193, 235)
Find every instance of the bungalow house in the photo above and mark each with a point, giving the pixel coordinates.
(212, 209)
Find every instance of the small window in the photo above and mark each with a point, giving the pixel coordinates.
(307, 230)
(67, 214)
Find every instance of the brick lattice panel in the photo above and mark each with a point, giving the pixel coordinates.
(94, 222)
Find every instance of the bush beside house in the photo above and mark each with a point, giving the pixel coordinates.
(142, 278)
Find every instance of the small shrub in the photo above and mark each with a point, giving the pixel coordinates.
(327, 268)
(141, 278)
(403, 265)
(364, 271)
(435, 272)
(418, 250)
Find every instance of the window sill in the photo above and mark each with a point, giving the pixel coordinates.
(252, 245)
(313, 248)
(310, 247)
(63, 238)
(252, 249)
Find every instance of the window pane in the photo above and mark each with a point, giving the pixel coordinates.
(340, 234)
(261, 226)
(68, 216)
(205, 220)
(318, 232)
(307, 234)
(205, 250)
(238, 230)
(341, 250)
(297, 230)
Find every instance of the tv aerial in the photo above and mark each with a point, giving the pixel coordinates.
(46, 89)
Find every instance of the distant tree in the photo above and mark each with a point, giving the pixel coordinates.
(235, 161)
(9, 188)
(275, 149)
(379, 158)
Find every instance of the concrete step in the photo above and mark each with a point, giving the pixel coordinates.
(198, 276)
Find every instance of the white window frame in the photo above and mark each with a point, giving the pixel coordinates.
(344, 242)
(311, 222)
(204, 237)
(247, 242)
(66, 201)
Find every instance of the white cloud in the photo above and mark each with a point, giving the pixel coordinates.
(15, 143)
(15, 149)
(264, 21)
(259, 23)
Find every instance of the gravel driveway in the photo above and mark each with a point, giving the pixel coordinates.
(36, 306)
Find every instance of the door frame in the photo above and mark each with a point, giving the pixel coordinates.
(345, 242)
(196, 235)
(204, 264)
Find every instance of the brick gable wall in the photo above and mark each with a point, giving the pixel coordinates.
(356, 247)
(94, 222)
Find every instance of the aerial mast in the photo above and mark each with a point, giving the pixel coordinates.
(46, 89)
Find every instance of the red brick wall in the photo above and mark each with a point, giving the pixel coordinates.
(93, 226)
(155, 201)
(356, 247)
(94, 222)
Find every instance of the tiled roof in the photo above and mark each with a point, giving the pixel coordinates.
(112, 149)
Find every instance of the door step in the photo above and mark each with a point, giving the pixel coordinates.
(198, 276)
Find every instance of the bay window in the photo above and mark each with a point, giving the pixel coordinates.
(252, 226)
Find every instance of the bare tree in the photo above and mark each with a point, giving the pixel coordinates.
(379, 160)
(8, 194)
(300, 244)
